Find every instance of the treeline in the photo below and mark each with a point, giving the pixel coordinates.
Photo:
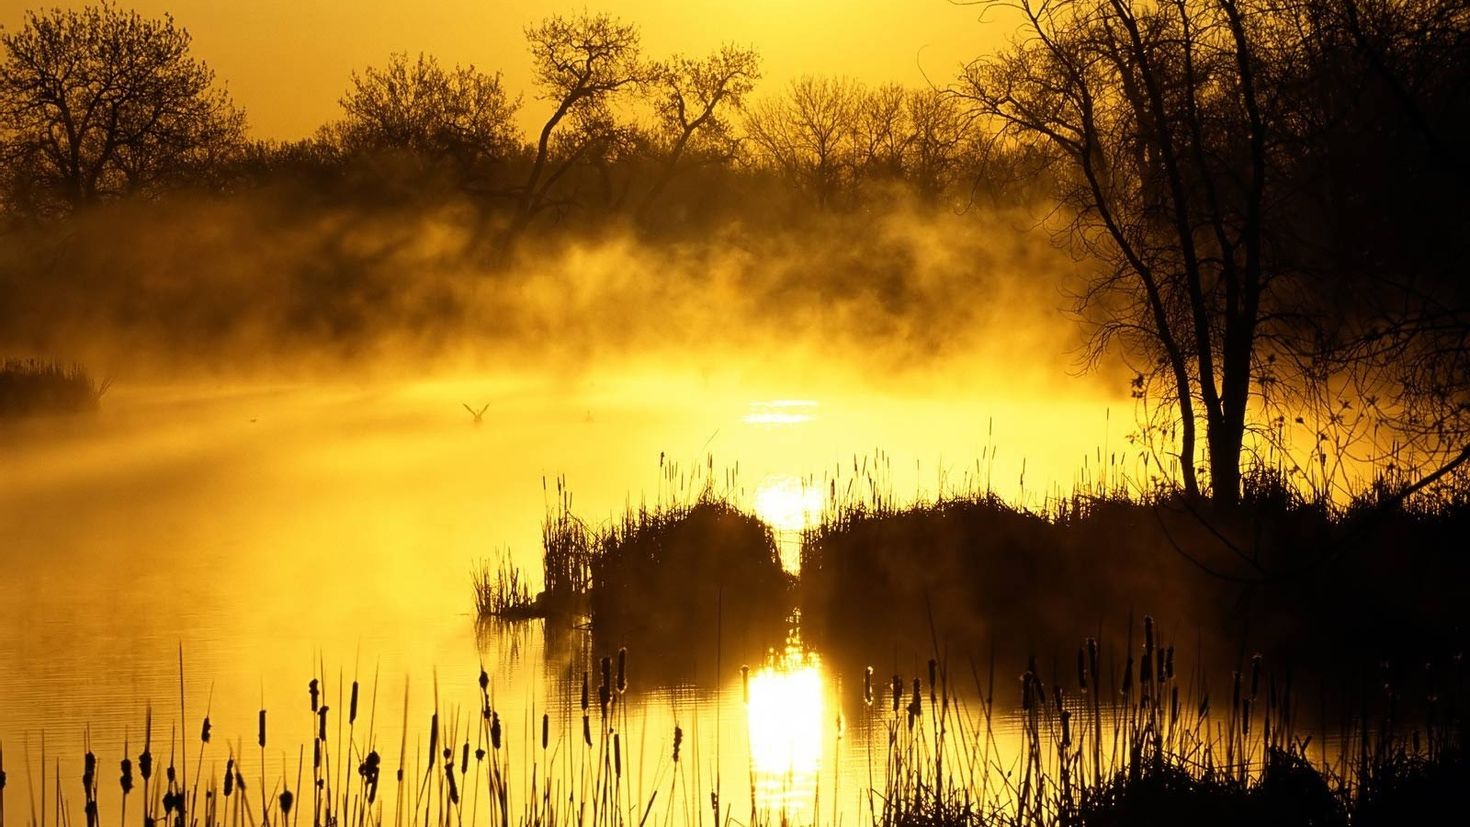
(101, 103)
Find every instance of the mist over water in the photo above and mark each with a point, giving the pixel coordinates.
(280, 515)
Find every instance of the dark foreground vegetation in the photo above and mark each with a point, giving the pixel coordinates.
(670, 576)
(31, 387)
(1131, 736)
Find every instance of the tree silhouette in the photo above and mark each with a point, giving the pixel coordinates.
(689, 97)
(579, 63)
(419, 107)
(99, 102)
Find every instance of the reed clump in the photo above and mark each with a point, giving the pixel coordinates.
(501, 590)
(32, 387)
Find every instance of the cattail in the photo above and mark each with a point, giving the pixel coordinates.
(678, 740)
(316, 754)
(204, 730)
(897, 693)
(1026, 691)
(433, 734)
(464, 761)
(586, 729)
(495, 730)
(1255, 676)
(622, 670)
(260, 731)
(868, 686)
(352, 706)
(321, 724)
(606, 666)
(584, 692)
(484, 680)
(604, 696)
(545, 729)
(745, 683)
(1066, 729)
(229, 776)
(145, 765)
(1092, 660)
(286, 799)
(89, 771)
(618, 754)
(314, 689)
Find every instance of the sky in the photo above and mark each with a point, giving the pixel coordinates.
(287, 62)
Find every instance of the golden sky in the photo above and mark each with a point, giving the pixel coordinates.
(287, 61)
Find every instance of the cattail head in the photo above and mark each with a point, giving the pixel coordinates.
(586, 730)
(145, 765)
(1066, 729)
(584, 691)
(286, 799)
(204, 730)
(618, 754)
(352, 706)
(229, 776)
(484, 680)
(495, 729)
(433, 734)
(678, 740)
(313, 688)
(259, 730)
(868, 686)
(1255, 676)
(606, 666)
(545, 730)
(321, 724)
(897, 693)
(622, 670)
(89, 770)
(464, 760)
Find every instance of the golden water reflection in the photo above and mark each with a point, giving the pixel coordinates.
(785, 716)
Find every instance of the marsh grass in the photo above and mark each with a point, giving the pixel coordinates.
(501, 590)
(1131, 737)
(30, 387)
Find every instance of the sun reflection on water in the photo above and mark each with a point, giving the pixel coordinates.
(784, 716)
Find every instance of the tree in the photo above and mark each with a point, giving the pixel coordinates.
(809, 134)
(689, 97)
(1151, 115)
(99, 102)
(459, 113)
(579, 64)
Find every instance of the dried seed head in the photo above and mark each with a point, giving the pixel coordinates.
(678, 740)
(868, 686)
(314, 690)
(352, 706)
(545, 730)
(622, 670)
(204, 730)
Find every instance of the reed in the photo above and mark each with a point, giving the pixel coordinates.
(30, 387)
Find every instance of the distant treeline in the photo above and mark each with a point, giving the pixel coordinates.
(102, 103)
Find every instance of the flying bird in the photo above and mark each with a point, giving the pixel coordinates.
(477, 414)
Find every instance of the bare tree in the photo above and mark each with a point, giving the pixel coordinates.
(808, 134)
(1151, 116)
(99, 102)
(690, 98)
(417, 106)
(580, 63)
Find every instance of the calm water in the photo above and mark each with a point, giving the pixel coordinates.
(276, 533)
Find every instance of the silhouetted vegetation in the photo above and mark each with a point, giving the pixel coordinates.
(1130, 736)
(30, 387)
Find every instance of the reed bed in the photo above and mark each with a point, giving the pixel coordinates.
(30, 387)
(1132, 736)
